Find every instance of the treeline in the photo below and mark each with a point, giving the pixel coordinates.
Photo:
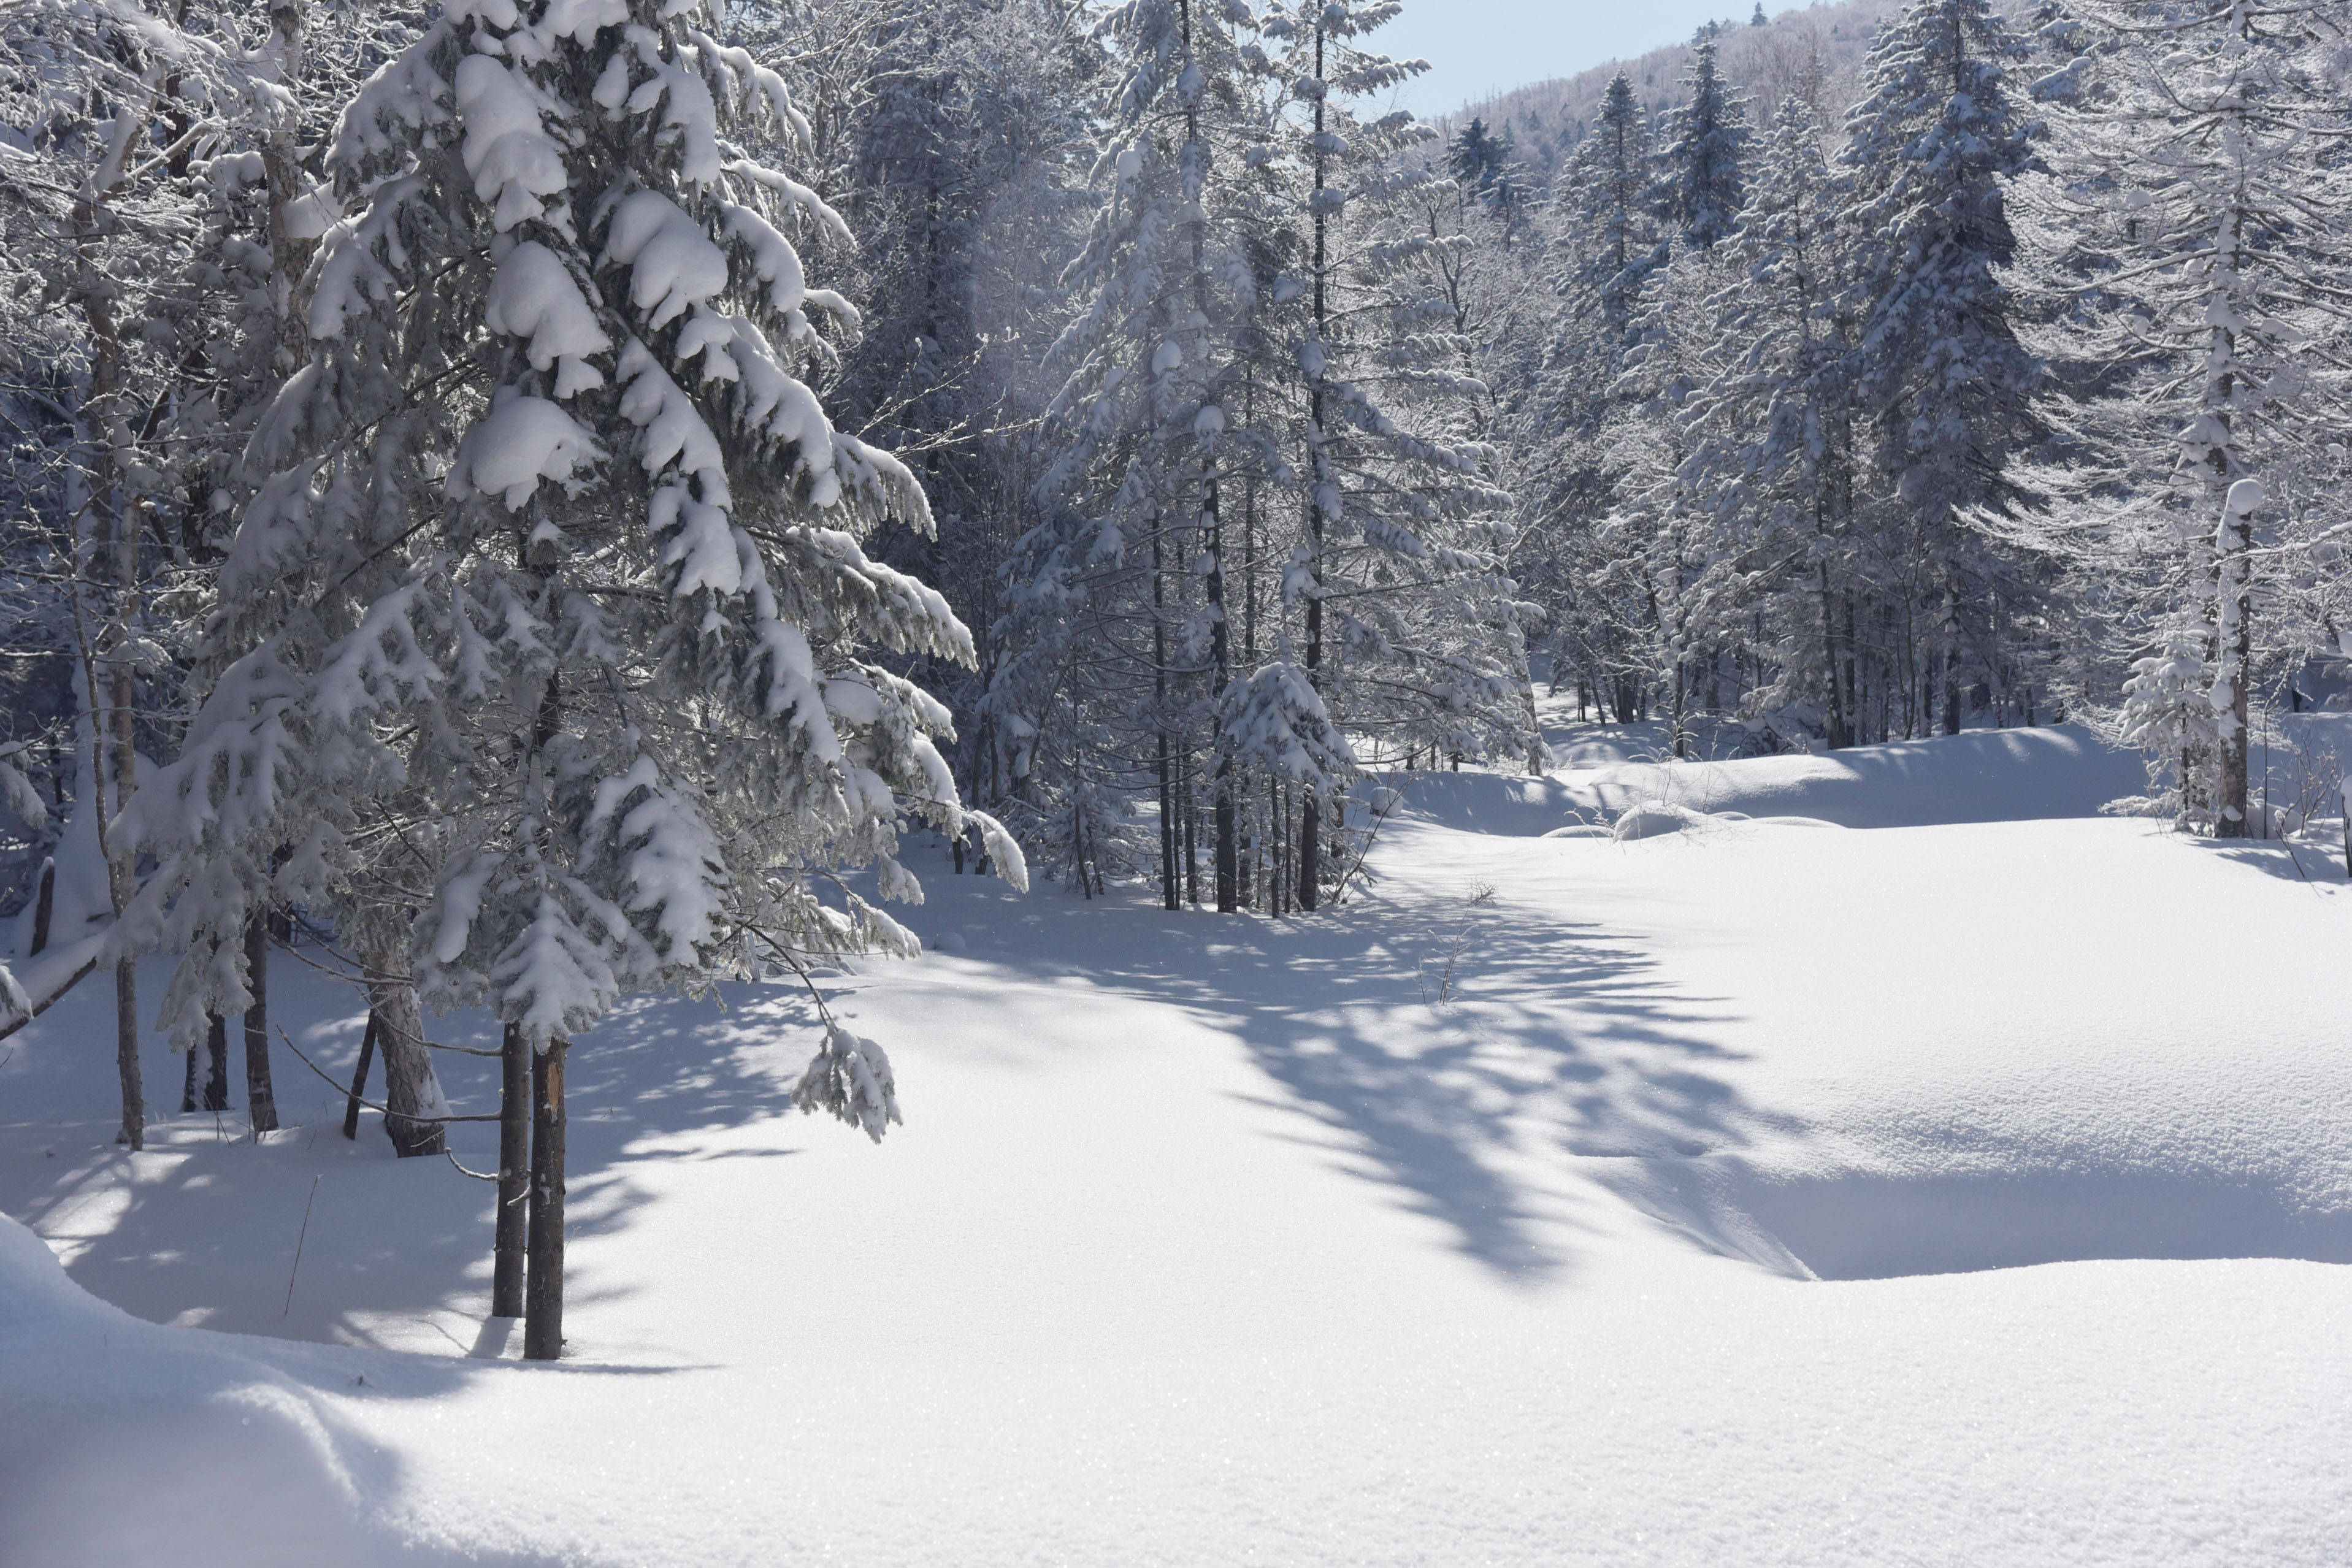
(2012, 389)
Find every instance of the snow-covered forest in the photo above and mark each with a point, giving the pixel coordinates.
(578, 575)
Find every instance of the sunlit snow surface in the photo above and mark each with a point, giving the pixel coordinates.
(1967, 1192)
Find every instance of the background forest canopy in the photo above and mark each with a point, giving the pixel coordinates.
(1182, 434)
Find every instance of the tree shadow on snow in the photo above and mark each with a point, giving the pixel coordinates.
(1457, 1051)
(203, 1229)
(2320, 867)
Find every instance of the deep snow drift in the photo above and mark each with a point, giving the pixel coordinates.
(1970, 1193)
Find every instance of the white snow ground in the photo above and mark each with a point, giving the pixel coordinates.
(1961, 1192)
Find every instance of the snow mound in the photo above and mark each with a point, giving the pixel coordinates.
(1657, 818)
(129, 1443)
(1983, 775)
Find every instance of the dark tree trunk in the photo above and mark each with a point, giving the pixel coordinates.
(260, 1099)
(216, 1065)
(542, 1328)
(1229, 893)
(1191, 788)
(126, 1053)
(1171, 891)
(1310, 853)
(360, 1075)
(45, 905)
(514, 1176)
(1168, 898)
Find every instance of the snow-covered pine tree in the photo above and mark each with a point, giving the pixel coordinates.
(1117, 641)
(1656, 535)
(232, 327)
(1772, 436)
(539, 650)
(1938, 366)
(1705, 136)
(1606, 241)
(1474, 157)
(106, 102)
(964, 195)
(1611, 242)
(2185, 243)
(1486, 170)
(1409, 635)
(1650, 533)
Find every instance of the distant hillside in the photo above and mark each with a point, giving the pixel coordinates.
(1822, 46)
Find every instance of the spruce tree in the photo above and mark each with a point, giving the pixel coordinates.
(1409, 635)
(1773, 432)
(1612, 244)
(1938, 366)
(1118, 643)
(1698, 190)
(542, 660)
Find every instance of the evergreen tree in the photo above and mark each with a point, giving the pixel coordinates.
(537, 659)
(1409, 634)
(1117, 642)
(1612, 245)
(1698, 190)
(1772, 437)
(1476, 157)
(1938, 366)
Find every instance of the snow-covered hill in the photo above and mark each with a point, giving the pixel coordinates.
(1820, 45)
(1965, 1191)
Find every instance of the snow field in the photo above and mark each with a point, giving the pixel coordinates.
(1459, 1226)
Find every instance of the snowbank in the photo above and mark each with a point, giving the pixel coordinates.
(1980, 776)
(127, 1444)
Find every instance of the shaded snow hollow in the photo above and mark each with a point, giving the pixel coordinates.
(1753, 1194)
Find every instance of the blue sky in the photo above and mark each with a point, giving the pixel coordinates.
(1475, 46)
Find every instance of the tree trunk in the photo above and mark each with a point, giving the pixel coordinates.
(1192, 791)
(542, 1328)
(412, 1095)
(1229, 893)
(1310, 853)
(2234, 653)
(260, 1098)
(1170, 893)
(1838, 737)
(43, 906)
(360, 1075)
(216, 1065)
(512, 1231)
(126, 1053)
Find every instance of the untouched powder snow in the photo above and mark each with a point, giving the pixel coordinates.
(1749, 1195)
